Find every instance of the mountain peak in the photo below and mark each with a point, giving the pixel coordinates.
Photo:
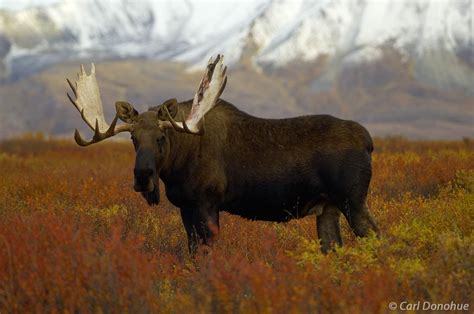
(263, 32)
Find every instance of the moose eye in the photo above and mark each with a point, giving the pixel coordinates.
(160, 140)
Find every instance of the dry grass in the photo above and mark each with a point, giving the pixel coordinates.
(75, 237)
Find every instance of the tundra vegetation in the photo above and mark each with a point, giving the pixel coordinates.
(74, 236)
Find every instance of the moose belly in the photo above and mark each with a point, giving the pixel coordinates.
(277, 203)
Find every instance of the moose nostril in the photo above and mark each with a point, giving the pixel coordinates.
(143, 180)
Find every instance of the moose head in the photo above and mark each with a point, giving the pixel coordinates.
(149, 130)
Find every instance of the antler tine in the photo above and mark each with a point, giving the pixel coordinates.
(176, 125)
(224, 83)
(74, 88)
(79, 140)
(71, 100)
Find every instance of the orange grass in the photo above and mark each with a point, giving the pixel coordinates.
(75, 237)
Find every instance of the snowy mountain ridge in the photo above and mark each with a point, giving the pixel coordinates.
(269, 32)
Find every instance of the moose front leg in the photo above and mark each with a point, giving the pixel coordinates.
(187, 217)
(201, 226)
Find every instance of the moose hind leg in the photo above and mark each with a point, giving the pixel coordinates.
(351, 197)
(358, 216)
(328, 228)
(362, 222)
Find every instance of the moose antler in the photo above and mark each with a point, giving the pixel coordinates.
(211, 87)
(88, 103)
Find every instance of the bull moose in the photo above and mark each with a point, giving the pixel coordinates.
(213, 157)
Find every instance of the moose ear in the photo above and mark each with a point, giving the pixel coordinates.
(125, 111)
(171, 105)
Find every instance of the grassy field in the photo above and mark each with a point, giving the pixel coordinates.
(74, 237)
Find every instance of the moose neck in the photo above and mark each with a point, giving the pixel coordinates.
(182, 149)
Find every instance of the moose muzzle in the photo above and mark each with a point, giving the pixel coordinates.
(143, 180)
(144, 171)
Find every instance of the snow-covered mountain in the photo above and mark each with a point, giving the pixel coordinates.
(261, 33)
(397, 66)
